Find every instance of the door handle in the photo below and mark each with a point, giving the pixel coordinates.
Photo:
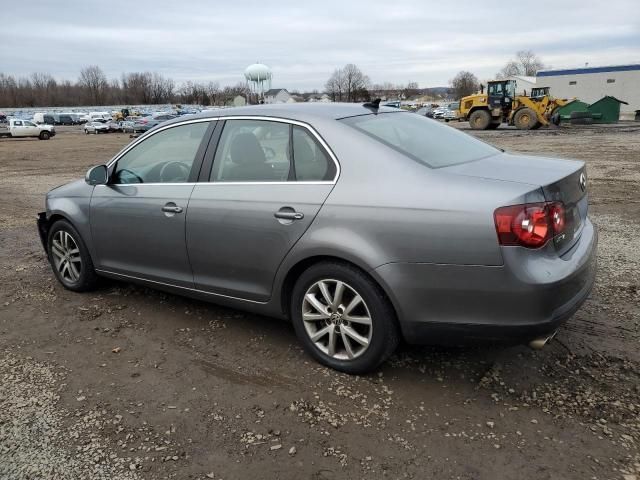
(286, 215)
(172, 209)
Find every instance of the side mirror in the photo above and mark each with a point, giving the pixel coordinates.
(97, 175)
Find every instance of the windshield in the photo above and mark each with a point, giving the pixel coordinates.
(424, 140)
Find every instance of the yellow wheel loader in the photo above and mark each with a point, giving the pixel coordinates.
(501, 105)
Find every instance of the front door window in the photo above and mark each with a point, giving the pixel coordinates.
(165, 157)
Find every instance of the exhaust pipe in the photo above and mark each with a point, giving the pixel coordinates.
(538, 343)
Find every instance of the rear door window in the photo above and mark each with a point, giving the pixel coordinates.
(253, 151)
(312, 163)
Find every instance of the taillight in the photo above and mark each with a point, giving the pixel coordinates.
(530, 225)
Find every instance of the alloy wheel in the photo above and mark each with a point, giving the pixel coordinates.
(66, 256)
(337, 319)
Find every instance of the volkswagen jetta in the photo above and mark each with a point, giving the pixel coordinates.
(362, 225)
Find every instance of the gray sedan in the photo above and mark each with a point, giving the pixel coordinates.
(362, 225)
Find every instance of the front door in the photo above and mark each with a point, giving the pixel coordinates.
(138, 219)
(268, 182)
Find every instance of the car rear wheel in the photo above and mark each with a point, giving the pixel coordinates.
(342, 318)
(69, 258)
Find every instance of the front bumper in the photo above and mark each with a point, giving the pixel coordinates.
(531, 295)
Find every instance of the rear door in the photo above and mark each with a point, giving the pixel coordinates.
(267, 183)
(138, 219)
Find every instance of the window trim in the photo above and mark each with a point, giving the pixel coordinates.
(197, 162)
(219, 121)
(309, 128)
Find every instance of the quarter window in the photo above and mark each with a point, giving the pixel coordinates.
(253, 151)
(166, 157)
(310, 160)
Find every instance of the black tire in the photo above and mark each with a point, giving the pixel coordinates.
(480, 119)
(575, 115)
(582, 121)
(536, 126)
(385, 335)
(525, 119)
(87, 279)
(493, 125)
(44, 135)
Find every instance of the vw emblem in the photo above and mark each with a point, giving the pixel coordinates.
(583, 182)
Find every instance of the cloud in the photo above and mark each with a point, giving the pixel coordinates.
(303, 42)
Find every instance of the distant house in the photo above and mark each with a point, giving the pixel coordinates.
(277, 95)
(324, 98)
(239, 101)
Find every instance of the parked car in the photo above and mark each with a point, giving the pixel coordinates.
(425, 111)
(100, 116)
(127, 126)
(43, 118)
(144, 124)
(15, 127)
(439, 112)
(96, 127)
(114, 126)
(65, 119)
(452, 112)
(362, 225)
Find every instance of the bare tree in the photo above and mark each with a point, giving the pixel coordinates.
(348, 84)
(463, 84)
(526, 63)
(355, 82)
(411, 89)
(93, 79)
(334, 86)
(213, 92)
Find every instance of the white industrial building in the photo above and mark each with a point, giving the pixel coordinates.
(524, 84)
(592, 83)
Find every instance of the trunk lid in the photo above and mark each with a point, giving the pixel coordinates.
(560, 181)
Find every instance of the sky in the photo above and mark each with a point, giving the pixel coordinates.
(304, 41)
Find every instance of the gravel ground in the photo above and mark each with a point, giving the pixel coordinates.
(130, 383)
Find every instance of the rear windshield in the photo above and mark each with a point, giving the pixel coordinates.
(424, 140)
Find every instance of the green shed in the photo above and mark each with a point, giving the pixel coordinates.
(606, 110)
(573, 106)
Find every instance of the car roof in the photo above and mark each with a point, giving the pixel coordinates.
(303, 112)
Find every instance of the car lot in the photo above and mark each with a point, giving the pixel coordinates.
(142, 384)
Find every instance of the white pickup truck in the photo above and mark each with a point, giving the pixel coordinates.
(15, 127)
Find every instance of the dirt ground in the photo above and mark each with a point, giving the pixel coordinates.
(130, 383)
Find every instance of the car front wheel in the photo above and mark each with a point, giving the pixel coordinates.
(343, 318)
(69, 258)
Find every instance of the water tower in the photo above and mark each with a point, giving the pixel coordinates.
(258, 78)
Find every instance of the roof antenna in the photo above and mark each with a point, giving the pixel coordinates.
(373, 104)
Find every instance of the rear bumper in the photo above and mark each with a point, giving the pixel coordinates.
(532, 294)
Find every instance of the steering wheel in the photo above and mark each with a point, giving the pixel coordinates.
(179, 174)
(269, 153)
(140, 180)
